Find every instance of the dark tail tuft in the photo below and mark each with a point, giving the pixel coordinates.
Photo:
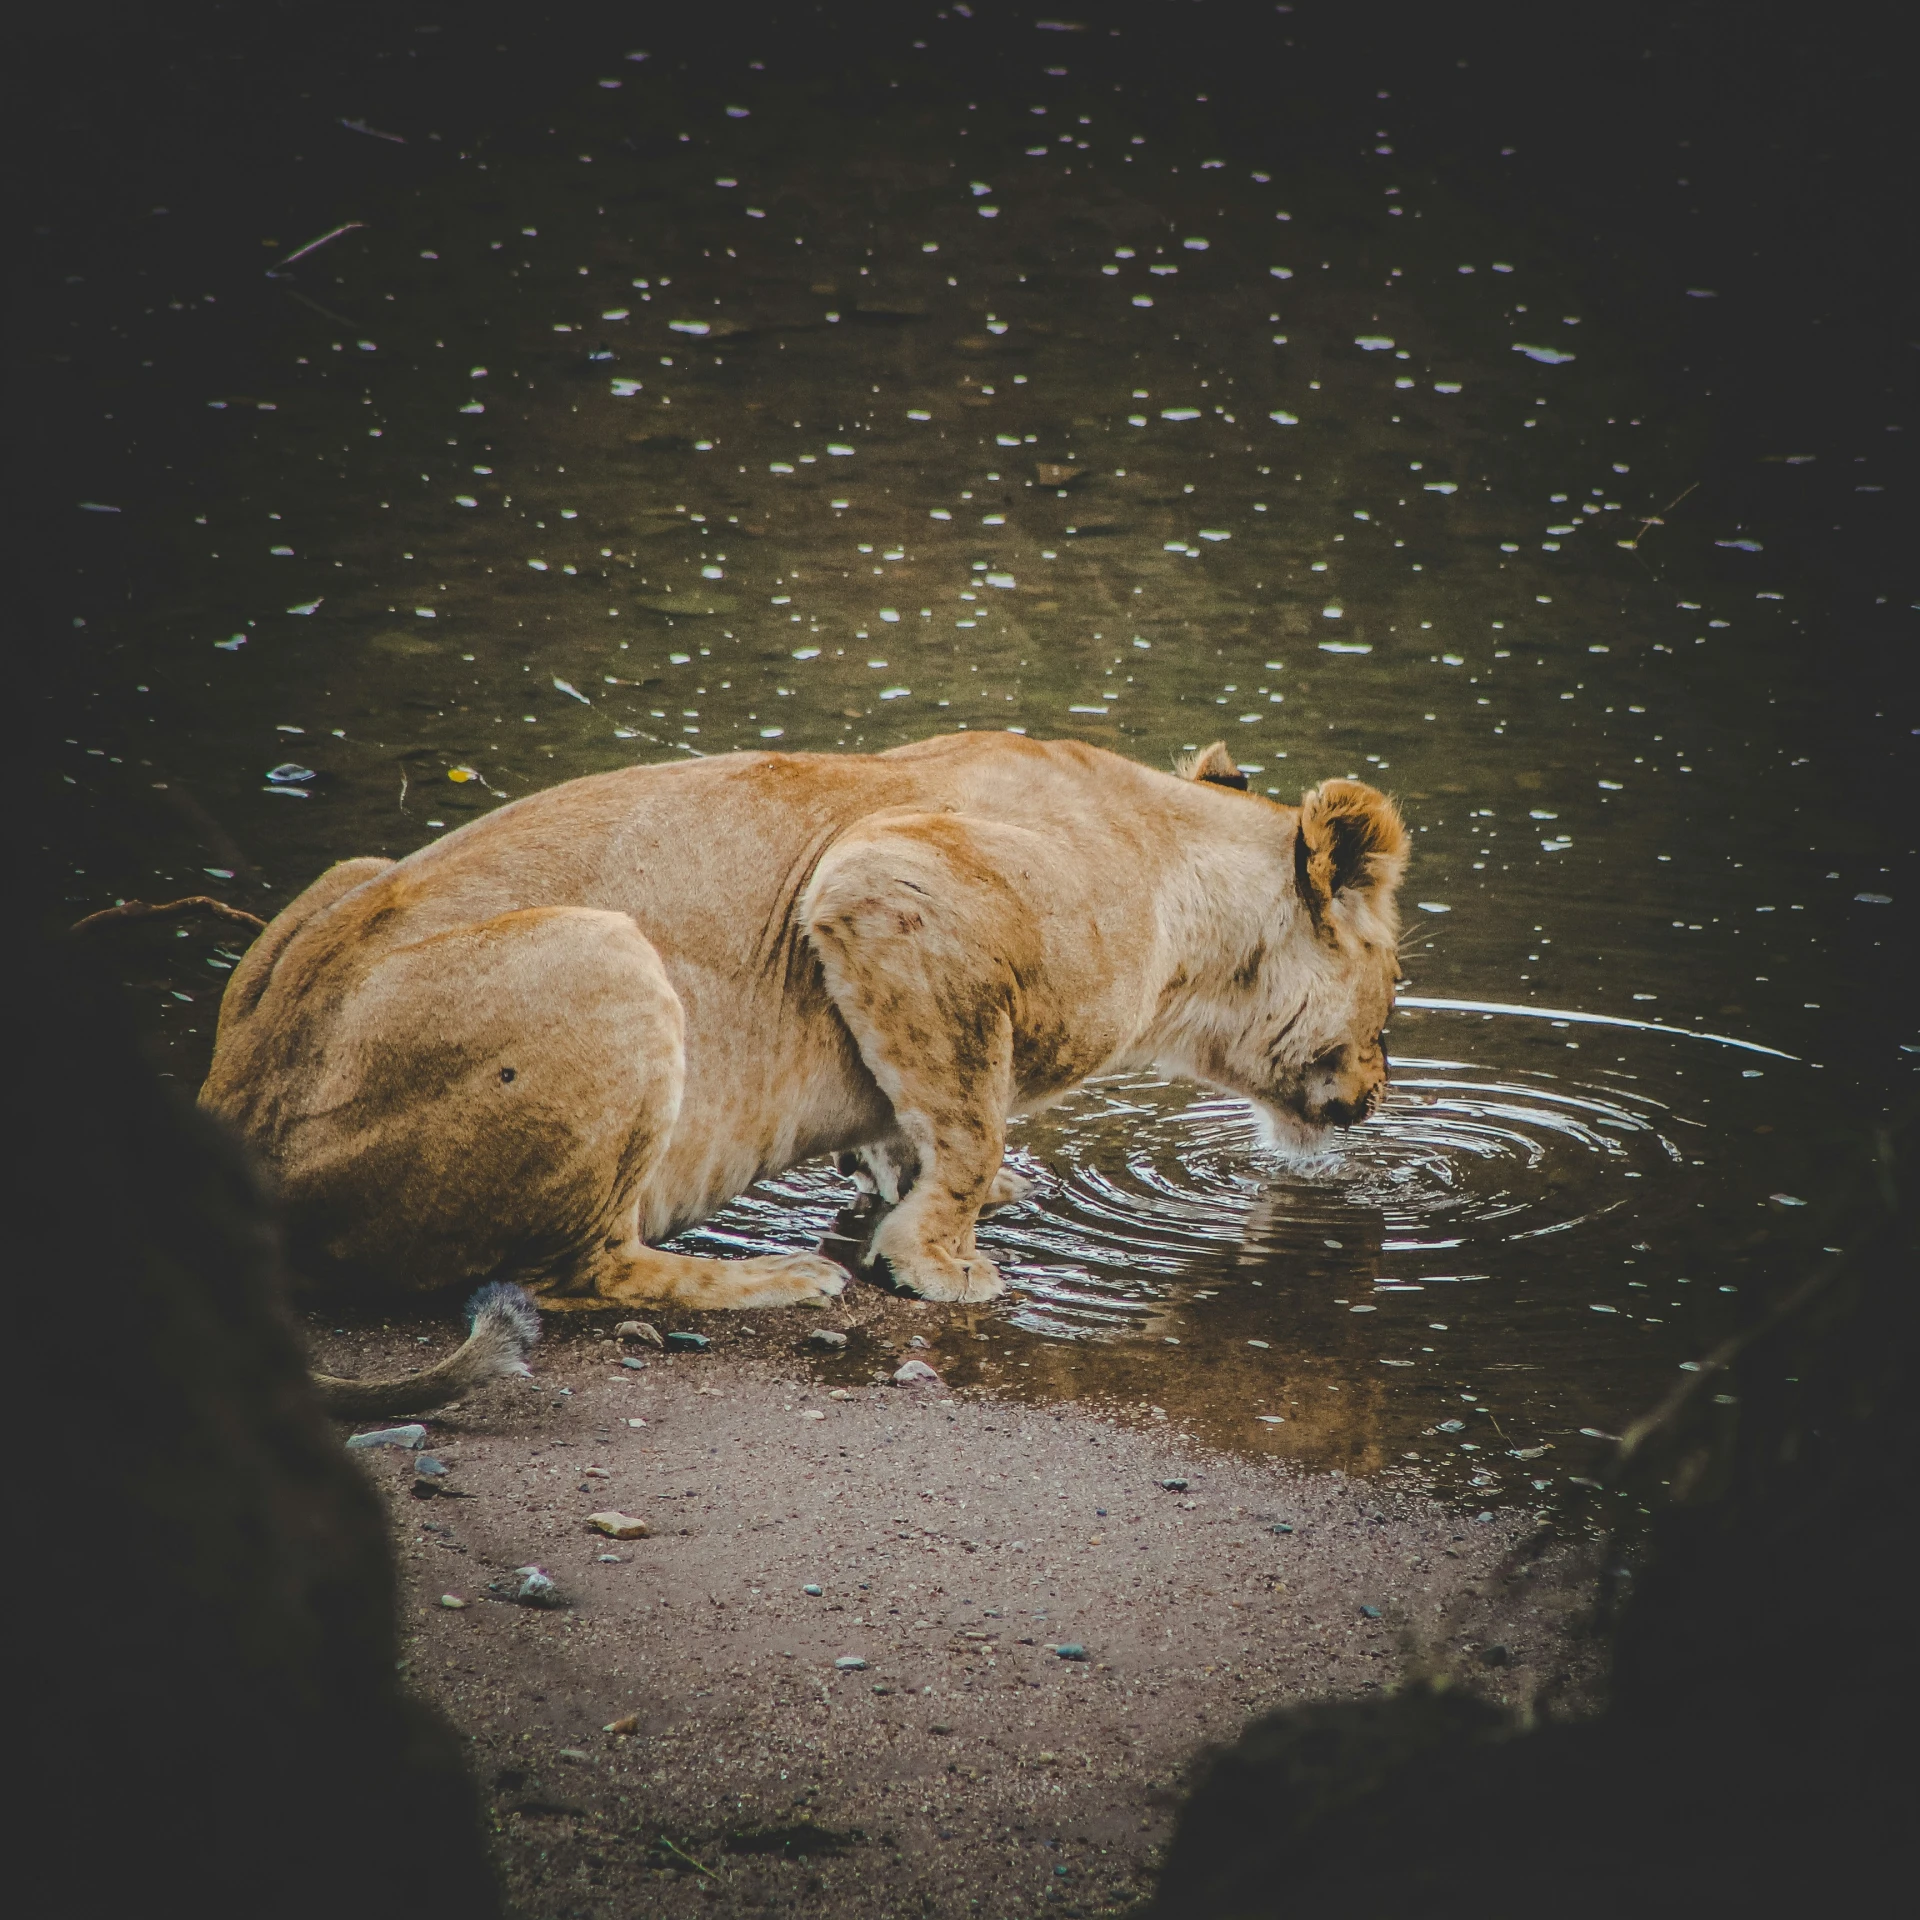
(512, 1307)
(502, 1323)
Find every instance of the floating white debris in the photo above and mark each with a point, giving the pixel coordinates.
(1373, 342)
(306, 606)
(918, 413)
(622, 390)
(1743, 546)
(1345, 646)
(689, 326)
(1002, 580)
(1547, 356)
(1433, 906)
(1446, 386)
(568, 688)
(1441, 486)
(1283, 419)
(539, 566)
(834, 447)
(1215, 533)
(895, 693)
(1179, 413)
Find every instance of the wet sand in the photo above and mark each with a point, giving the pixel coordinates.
(959, 1541)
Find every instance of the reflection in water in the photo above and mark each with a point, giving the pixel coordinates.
(1512, 1219)
(770, 440)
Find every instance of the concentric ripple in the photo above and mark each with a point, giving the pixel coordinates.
(1145, 1185)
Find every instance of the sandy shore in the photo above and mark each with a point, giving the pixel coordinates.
(1048, 1630)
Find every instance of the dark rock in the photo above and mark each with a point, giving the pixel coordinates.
(264, 1752)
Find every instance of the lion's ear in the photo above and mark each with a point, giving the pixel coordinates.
(1213, 765)
(1351, 842)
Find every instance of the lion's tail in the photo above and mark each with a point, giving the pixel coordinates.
(503, 1324)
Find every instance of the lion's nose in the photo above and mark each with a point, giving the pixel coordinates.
(1341, 1111)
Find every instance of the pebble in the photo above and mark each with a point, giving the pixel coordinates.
(1071, 1650)
(918, 1340)
(575, 1754)
(634, 1366)
(452, 1602)
(408, 1437)
(813, 1413)
(1370, 1613)
(816, 1591)
(916, 1373)
(850, 1663)
(619, 1526)
(827, 1337)
(688, 1342)
(434, 1468)
(639, 1330)
(1174, 1486)
(537, 1588)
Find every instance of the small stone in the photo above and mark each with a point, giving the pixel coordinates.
(688, 1343)
(816, 1591)
(918, 1340)
(850, 1663)
(812, 1413)
(627, 1724)
(598, 1473)
(1370, 1613)
(611, 1559)
(827, 1337)
(1451, 1426)
(408, 1437)
(433, 1468)
(916, 1373)
(1174, 1486)
(1071, 1650)
(537, 1588)
(634, 1366)
(1281, 1526)
(939, 1726)
(619, 1526)
(574, 1754)
(642, 1330)
(840, 1393)
(452, 1602)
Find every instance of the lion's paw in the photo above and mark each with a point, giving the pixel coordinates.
(784, 1280)
(1006, 1189)
(936, 1275)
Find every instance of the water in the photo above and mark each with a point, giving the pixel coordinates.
(603, 445)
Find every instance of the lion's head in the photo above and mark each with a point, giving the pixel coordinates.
(1298, 1025)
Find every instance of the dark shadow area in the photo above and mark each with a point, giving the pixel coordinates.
(1753, 1758)
(215, 1708)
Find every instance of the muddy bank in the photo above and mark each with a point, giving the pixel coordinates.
(1050, 1631)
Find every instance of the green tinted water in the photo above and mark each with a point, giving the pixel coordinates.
(620, 447)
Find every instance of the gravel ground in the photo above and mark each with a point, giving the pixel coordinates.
(1053, 1610)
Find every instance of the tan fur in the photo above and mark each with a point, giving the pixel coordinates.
(583, 1023)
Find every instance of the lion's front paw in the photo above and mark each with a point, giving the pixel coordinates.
(1006, 1189)
(936, 1275)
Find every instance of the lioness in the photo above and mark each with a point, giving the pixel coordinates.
(567, 1031)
